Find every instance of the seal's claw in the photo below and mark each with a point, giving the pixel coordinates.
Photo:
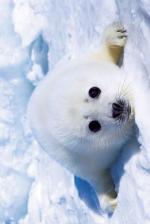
(115, 35)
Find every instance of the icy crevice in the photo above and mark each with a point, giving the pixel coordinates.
(38, 59)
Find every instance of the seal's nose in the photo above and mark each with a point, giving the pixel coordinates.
(121, 110)
(118, 109)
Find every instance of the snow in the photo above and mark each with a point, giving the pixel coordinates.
(35, 35)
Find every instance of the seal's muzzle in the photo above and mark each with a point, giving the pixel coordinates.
(121, 110)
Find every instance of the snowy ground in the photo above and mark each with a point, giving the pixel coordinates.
(34, 35)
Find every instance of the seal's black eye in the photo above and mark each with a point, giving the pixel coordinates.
(94, 92)
(94, 126)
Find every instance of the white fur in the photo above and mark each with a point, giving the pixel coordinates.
(60, 110)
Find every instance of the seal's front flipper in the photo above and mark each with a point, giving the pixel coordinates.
(114, 41)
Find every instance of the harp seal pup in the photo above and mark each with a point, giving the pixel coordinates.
(82, 115)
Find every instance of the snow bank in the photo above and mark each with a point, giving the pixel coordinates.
(34, 36)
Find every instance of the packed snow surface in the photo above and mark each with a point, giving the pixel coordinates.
(34, 36)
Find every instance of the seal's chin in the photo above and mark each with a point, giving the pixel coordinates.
(121, 110)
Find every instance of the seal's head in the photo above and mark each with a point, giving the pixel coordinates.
(85, 106)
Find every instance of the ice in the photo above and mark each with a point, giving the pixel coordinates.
(15, 187)
(34, 36)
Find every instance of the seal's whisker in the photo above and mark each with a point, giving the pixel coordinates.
(124, 90)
